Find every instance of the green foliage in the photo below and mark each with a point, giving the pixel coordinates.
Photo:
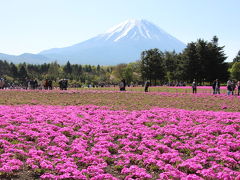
(173, 66)
(159, 137)
(118, 168)
(204, 61)
(235, 71)
(13, 70)
(152, 67)
(15, 141)
(4, 68)
(67, 133)
(186, 153)
(38, 172)
(154, 168)
(22, 74)
(109, 160)
(237, 58)
(67, 68)
(149, 124)
(60, 125)
(53, 71)
(112, 150)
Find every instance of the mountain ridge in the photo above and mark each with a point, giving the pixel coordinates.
(122, 43)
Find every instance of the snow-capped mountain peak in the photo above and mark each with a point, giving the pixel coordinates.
(135, 30)
(122, 43)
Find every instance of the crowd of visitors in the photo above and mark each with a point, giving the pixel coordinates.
(33, 84)
(231, 87)
(63, 84)
(47, 84)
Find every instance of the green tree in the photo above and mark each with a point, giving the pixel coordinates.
(76, 71)
(98, 68)
(54, 71)
(22, 73)
(235, 71)
(151, 66)
(14, 70)
(43, 69)
(204, 61)
(4, 68)
(87, 68)
(118, 72)
(67, 68)
(237, 58)
(191, 62)
(171, 66)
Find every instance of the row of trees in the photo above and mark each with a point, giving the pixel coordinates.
(200, 60)
(76, 73)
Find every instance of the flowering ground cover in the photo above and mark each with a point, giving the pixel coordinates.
(91, 142)
(129, 100)
(106, 134)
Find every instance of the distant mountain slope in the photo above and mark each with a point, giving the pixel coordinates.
(26, 57)
(120, 44)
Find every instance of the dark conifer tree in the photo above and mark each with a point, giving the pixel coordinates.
(13, 70)
(67, 68)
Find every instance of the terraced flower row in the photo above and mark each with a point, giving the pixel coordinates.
(90, 142)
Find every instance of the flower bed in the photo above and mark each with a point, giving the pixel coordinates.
(91, 142)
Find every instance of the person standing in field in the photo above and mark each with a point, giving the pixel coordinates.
(46, 84)
(146, 86)
(124, 85)
(194, 87)
(50, 87)
(121, 86)
(229, 87)
(233, 87)
(60, 84)
(2, 83)
(216, 87)
(238, 85)
(35, 84)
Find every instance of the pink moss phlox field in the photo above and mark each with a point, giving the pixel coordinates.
(91, 142)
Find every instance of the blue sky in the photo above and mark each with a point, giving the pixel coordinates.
(35, 25)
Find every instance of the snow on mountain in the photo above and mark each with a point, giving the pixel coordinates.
(122, 43)
(135, 30)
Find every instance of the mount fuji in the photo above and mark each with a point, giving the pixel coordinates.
(122, 43)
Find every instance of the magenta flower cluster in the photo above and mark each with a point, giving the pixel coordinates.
(90, 142)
